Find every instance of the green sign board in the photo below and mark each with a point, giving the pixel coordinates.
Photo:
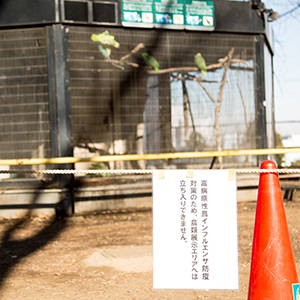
(174, 14)
(169, 14)
(199, 15)
(137, 13)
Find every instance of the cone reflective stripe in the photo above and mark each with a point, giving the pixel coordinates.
(273, 270)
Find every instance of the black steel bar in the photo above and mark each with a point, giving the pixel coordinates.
(63, 103)
(260, 97)
(51, 91)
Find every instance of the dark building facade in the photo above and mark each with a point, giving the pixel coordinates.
(61, 96)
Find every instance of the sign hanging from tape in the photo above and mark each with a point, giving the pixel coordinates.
(195, 229)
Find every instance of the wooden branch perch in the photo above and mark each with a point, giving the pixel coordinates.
(246, 120)
(236, 60)
(221, 64)
(120, 63)
(173, 70)
(218, 107)
(207, 93)
(133, 51)
(198, 78)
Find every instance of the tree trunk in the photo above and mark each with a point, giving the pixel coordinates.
(218, 107)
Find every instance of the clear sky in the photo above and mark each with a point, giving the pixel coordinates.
(286, 64)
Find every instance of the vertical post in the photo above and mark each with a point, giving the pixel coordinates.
(260, 97)
(164, 99)
(51, 92)
(60, 106)
(63, 95)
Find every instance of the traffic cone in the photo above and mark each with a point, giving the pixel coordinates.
(273, 270)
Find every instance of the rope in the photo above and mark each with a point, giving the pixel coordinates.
(76, 172)
(130, 172)
(259, 171)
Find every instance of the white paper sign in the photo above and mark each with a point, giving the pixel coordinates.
(194, 230)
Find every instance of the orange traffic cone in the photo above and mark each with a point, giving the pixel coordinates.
(273, 270)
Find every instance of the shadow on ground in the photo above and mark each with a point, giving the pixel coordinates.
(13, 250)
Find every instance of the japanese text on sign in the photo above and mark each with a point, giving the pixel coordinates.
(194, 217)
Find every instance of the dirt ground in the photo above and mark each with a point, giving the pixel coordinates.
(42, 258)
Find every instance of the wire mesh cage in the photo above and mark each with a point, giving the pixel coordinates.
(121, 105)
(24, 107)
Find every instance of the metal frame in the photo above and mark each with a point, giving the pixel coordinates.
(62, 88)
(90, 12)
(63, 13)
(63, 108)
(262, 142)
(116, 4)
(51, 91)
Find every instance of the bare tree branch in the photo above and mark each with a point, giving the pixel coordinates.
(218, 107)
(290, 11)
(236, 60)
(219, 65)
(133, 51)
(120, 63)
(205, 90)
(246, 121)
(194, 78)
(174, 70)
(185, 108)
